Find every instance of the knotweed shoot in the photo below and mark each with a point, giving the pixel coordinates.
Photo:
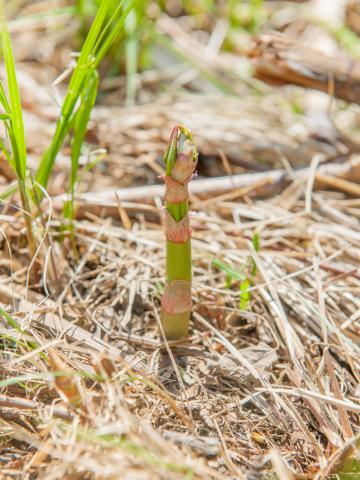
(180, 160)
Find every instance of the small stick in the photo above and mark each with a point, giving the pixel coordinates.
(350, 169)
(279, 60)
(343, 416)
(25, 404)
(341, 184)
(124, 217)
(340, 271)
(303, 393)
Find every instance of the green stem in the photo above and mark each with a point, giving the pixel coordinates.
(180, 161)
(178, 255)
(178, 261)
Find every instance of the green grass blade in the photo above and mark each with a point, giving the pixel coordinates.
(256, 245)
(81, 122)
(15, 127)
(4, 100)
(230, 272)
(112, 36)
(244, 295)
(95, 31)
(17, 123)
(99, 39)
(5, 194)
(14, 324)
(10, 320)
(80, 126)
(8, 156)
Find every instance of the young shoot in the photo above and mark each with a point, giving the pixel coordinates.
(180, 161)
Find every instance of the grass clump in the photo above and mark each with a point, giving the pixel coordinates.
(12, 117)
(74, 115)
(107, 24)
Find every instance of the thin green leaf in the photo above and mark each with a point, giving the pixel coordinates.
(228, 280)
(30, 377)
(111, 37)
(244, 295)
(89, 166)
(82, 117)
(102, 37)
(3, 99)
(256, 245)
(231, 273)
(99, 39)
(256, 242)
(81, 122)
(8, 191)
(7, 154)
(10, 320)
(17, 123)
(14, 324)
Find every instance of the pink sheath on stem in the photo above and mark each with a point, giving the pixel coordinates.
(175, 309)
(178, 232)
(175, 192)
(176, 297)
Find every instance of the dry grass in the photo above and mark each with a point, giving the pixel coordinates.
(270, 390)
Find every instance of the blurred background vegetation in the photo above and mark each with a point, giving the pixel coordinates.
(146, 42)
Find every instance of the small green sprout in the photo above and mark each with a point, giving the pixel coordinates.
(246, 277)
